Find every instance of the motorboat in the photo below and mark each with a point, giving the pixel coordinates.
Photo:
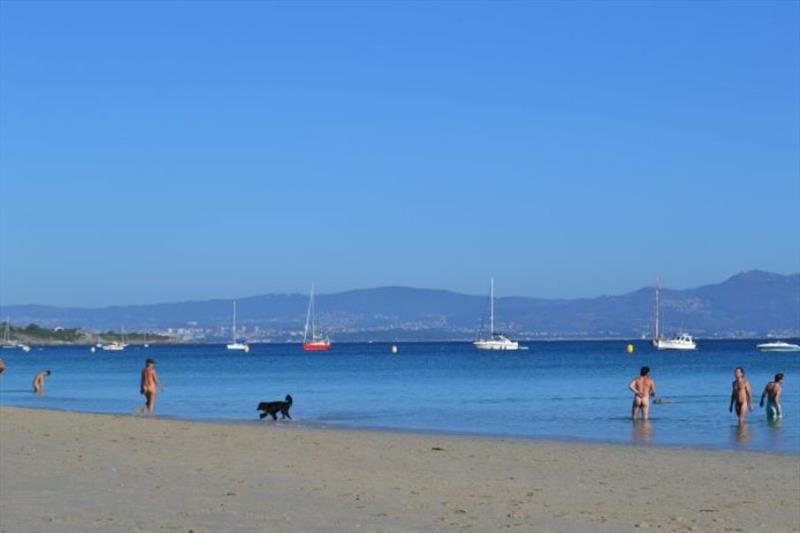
(778, 346)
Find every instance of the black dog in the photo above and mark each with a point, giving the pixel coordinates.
(273, 408)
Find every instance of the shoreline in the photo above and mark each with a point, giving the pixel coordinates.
(222, 342)
(67, 471)
(322, 426)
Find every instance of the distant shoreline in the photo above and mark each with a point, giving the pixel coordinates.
(406, 342)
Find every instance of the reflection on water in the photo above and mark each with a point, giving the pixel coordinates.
(642, 431)
(741, 434)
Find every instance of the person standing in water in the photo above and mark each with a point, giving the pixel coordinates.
(643, 388)
(773, 394)
(149, 385)
(741, 395)
(38, 382)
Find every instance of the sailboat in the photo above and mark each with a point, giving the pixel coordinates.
(681, 341)
(7, 343)
(496, 341)
(116, 346)
(314, 343)
(240, 346)
(146, 345)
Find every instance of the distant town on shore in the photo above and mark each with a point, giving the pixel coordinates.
(747, 305)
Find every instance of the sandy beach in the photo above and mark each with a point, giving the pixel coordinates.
(81, 472)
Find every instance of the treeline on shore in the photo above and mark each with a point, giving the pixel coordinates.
(35, 334)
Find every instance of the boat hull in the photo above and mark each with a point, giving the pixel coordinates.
(778, 347)
(238, 347)
(316, 346)
(681, 346)
(496, 345)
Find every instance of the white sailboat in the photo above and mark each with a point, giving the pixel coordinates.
(681, 341)
(496, 341)
(116, 346)
(7, 344)
(238, 346)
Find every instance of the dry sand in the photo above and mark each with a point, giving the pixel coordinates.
(82, 472)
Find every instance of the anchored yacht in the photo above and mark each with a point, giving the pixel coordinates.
(237, 346)
(681, 341)
(496, 341)
(313, 342)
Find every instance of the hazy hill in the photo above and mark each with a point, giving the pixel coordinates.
(753, 303)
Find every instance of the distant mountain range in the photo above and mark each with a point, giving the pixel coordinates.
(749, 304)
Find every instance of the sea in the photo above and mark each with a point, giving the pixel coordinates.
(559, 390)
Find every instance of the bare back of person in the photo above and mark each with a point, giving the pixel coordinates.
(642, 387)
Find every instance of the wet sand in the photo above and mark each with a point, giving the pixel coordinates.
(81, 472)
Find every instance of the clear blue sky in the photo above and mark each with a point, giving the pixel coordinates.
(155, 152)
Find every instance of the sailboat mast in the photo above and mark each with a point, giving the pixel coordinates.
(233, 326)
(491, 305)
(313, 318)
(656, 312)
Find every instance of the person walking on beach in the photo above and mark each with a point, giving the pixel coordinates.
(741, 395)
(38, 382)
(643, 388)
(773, 394)
(148, 386)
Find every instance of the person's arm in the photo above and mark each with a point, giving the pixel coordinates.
(632, 387)
(778, 400)
(763, 394)
(749, 393)
(652, 388)
(158, 381)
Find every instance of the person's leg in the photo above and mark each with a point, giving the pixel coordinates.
(634, 407)
(151, 401)
(645, 409)
(741, 411)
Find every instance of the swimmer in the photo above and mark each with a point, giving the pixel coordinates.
(643, 388)
(38, 382)
(773, 394)
(741, 395)
(148, 385)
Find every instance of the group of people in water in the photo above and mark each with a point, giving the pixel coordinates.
(643, 388)
(149, 385)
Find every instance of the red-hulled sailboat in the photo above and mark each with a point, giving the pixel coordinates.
(314, 342)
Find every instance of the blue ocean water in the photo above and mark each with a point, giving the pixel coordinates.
(555, 390)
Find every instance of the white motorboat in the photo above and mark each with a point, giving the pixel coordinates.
(496, 341)
(234, 345)
(681, 341)
(778, 346)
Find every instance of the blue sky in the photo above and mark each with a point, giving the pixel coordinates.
(155, 152)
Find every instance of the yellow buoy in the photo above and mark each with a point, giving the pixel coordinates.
(394, 348)
(629, 349)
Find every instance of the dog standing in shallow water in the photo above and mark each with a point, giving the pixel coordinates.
(273, 408)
